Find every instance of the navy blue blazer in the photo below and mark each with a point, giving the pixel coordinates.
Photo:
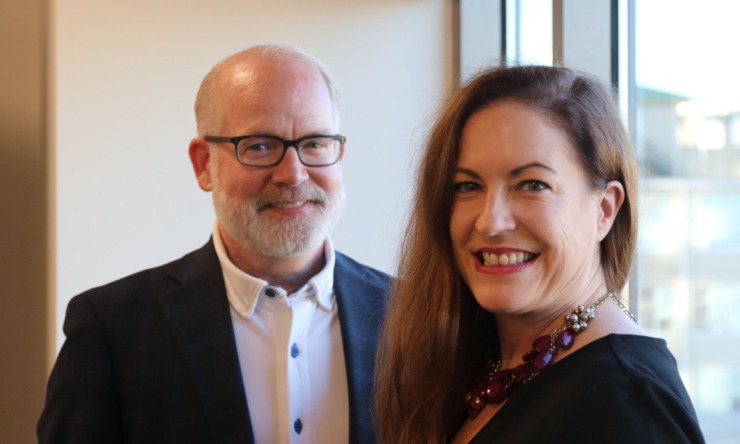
(152, 357)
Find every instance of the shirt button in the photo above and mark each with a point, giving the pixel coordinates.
(294, 352)
(270, 292)
(298, 426)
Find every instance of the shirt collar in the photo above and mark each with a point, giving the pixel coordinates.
(243, 290)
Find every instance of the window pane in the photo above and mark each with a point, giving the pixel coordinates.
(688, 140)
(529, 32)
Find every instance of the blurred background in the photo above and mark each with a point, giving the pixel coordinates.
(97, 114)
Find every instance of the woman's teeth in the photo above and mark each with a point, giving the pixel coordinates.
(506, 259)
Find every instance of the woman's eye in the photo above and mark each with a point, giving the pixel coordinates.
(466, 187)
(533, 185)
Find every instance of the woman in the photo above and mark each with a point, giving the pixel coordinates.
(505, 325)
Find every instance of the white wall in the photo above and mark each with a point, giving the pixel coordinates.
(126, 77)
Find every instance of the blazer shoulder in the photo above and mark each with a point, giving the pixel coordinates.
(154, 281)
(345, 265)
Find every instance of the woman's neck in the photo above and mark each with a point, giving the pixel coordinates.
(516, 333)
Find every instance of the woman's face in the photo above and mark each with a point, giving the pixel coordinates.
(525, 225)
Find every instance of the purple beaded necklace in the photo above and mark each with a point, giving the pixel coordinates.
(493, 385)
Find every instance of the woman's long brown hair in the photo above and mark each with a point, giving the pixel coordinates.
(436, 335)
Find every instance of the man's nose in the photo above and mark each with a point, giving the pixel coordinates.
(290, 171)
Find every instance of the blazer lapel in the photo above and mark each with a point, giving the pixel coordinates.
(198, 312)
(361, 299)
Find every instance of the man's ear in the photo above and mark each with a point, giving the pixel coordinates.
(200, 158)
(612, 199)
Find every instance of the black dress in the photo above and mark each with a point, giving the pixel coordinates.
(618, 389)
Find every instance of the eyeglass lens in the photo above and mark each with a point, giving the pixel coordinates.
(315, 151)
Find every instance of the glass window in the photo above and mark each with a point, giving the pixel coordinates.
(529, 32)
(687, 136)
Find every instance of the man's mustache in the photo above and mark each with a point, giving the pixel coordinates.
(281, 196)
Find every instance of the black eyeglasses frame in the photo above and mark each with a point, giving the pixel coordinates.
(285, 143)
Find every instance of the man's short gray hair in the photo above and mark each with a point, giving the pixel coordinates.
(208, 110)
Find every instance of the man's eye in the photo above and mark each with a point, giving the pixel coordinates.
(314, 144)
(258, 147)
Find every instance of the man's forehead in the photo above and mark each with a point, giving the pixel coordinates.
(290, 80)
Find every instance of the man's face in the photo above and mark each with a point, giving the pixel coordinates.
(288, 209)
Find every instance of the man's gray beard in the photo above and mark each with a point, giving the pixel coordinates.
(254, 230)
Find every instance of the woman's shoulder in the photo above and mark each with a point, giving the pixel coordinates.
(625, 354)
(619, 388)
(621, 357)
(629, 381)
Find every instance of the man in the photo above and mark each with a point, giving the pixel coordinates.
(265, 334)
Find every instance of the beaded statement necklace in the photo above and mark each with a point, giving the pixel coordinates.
(493, 385)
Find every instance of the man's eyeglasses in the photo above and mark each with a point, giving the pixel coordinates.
(265, 151)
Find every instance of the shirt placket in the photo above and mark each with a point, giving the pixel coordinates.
(302, 307)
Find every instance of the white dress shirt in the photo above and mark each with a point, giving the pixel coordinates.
(290, 353)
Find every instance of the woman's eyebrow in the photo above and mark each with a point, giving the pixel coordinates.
(519, 170)
(468, 172)
(515, 172)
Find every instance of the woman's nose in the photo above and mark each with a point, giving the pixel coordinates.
(495, 217)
